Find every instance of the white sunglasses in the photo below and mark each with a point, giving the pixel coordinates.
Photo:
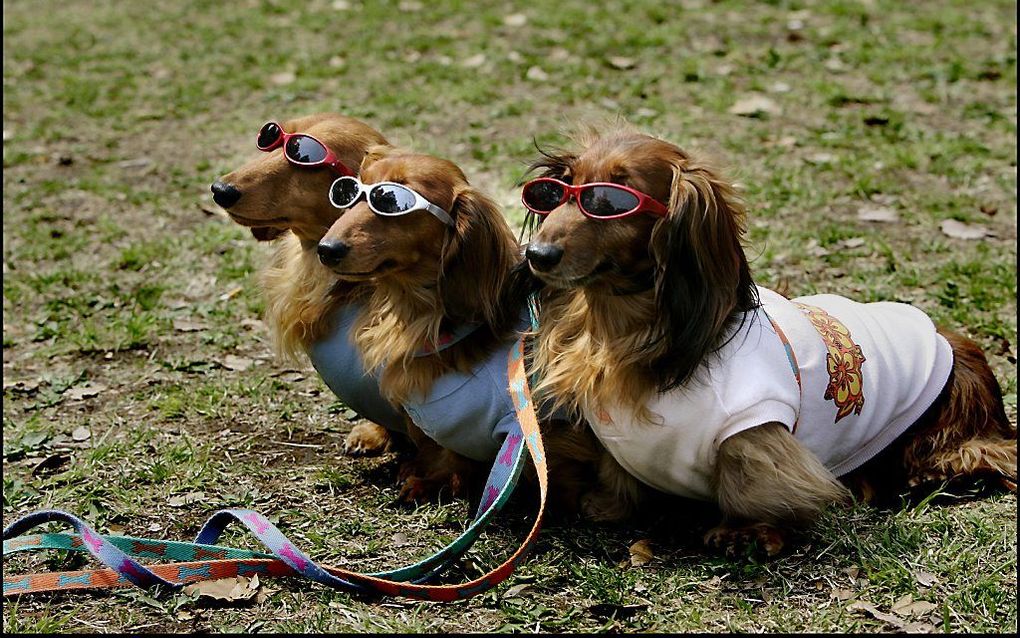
(384, 198)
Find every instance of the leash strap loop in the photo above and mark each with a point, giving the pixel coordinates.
(288, 558)
(104, 551)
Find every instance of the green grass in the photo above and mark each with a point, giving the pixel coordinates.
(117, 116)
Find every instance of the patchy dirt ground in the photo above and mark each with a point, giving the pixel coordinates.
(875, 142)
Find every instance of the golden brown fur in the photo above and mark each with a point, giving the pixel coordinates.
(289, 204)
(625, 346)
(417, 266)
(299, 297)
(640, 303)
(286, 203)
(588, 351)
(428, 278)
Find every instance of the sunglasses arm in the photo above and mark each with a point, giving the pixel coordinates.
(440, 214)
(341, 168)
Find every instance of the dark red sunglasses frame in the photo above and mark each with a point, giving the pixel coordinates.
(330, 158)
(645, 202)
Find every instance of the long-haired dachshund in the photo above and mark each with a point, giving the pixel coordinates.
(704, 385)
(279, 197)
(434, 326)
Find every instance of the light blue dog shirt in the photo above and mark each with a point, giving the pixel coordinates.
(338, 362)
(469, 413)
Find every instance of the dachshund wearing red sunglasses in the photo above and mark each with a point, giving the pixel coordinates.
(704, 385)
(281, 195)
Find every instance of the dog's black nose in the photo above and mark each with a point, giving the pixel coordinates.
(332, 251)
(225, 194)
(544, 256)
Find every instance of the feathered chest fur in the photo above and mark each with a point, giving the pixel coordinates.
(397, 324)
(592, 351)
(299, 295)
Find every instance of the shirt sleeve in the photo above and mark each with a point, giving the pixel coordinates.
(753, 382)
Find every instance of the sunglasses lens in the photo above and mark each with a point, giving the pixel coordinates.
(390, 199)
(606, 201)
(305, 150)
(543, 196)
(268, 135)
(344, 192)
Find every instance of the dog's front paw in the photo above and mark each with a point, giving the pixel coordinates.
(418, 489)
(738, 541)
(367, 439)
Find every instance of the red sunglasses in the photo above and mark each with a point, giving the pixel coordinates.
(598, 200)
(299, 149)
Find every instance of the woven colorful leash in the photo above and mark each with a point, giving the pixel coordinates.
(286, 559)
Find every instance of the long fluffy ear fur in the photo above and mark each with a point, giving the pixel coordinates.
(703, 282)
(477, 263)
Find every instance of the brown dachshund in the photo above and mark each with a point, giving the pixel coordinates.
(439, 254)
(702, 384)
(285, 201)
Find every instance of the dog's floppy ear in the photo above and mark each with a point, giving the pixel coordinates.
(702, 280)
(477, 262)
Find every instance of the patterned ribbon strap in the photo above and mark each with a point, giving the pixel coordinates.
(290, 558)
(132, 546)
(107, 552)
(505, 473)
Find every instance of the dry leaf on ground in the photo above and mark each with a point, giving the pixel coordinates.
(537, 74)
(907, 606)
(925, 579)
(620, 62)
(821, 158)
(870, 609)
(234, 362)
(641, 553)
(26, 386)
(185, 499)
(84, 391)
(960, 230)
(234, 589)
(283, 78)
(755, 106)
(231, 293)
(872, 213)
(187, 325)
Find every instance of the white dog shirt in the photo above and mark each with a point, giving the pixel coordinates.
(866, 373)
